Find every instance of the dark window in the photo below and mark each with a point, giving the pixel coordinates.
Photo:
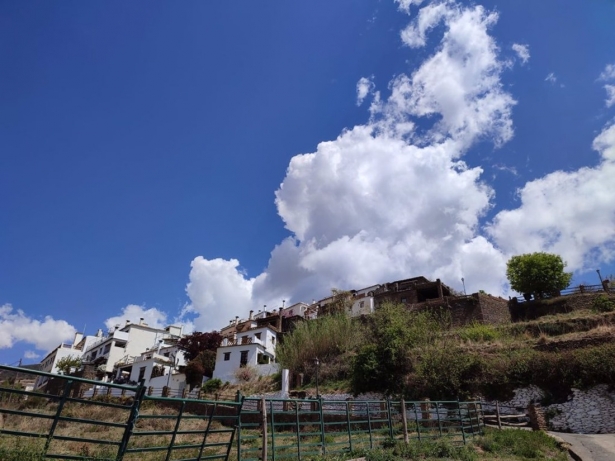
(142, 373)
(227, 356)
(403, 300)
(257, 335)
(362, 304)
(243, 360)
(107, 348)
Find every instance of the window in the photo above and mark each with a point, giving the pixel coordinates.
(142, 373)
(166, 354)
(93, 355)
(362, 304)
(243, 360)
(120, 344)
(273, 340)
(262, 359)
(107, 348)
(257, 335)
(403, 300)
(227, 356)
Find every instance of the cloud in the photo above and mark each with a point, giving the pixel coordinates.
(31, 355)
(152, 316)
(391, 198)
(608, 73)
(523, 51)
(551, 78)
(44, 335)
(364, 87)
(610, 95)
(568, 213)
(218, 290)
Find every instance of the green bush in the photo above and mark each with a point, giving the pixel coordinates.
(603, 303)
(212, 385)
(479, 332)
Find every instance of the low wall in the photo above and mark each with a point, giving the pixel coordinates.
(591, 411)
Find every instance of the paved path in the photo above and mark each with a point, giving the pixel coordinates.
(590, 447)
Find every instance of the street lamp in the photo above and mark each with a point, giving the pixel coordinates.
(464, 286)
(317, 365)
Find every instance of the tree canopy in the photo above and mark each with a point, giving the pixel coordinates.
(537, 273)
(197, 342)
(66, 364)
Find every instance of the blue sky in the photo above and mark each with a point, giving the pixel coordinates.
(151, 153)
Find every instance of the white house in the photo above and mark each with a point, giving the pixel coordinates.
(252, 345)
(158, 367)
(297, 309)
(124, 343)
(363, 301)
(75, 349)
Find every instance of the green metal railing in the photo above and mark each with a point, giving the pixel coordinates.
(119, 422)
(282, 429)
(114, 427)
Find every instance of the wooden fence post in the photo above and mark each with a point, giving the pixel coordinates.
(264, 426)
(497, 414)
(404, 420)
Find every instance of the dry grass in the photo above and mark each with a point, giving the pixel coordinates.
(152, 419)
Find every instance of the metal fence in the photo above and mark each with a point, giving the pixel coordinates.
(112, 424)
(121, 422)
(574, 291)
(282, 429)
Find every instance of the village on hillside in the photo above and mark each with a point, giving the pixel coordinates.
(136, 352)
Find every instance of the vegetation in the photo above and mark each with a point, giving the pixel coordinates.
(200, 353)
(420, 354)
(67, 364)
(332, 339)
(212, 385)
(537, 273)
(508, 445)
(197, 342)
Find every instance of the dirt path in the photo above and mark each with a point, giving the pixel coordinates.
(590, 447)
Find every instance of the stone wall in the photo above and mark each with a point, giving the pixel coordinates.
(586, 412)
(534, 309)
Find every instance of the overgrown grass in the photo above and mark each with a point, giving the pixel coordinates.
(330, 338)
(479, 332)
(507, 445)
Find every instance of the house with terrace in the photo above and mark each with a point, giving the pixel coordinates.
(249, 343)
(124, 344)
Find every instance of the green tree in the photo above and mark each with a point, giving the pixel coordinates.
(197, 342)
(537, 273)
(66, 364)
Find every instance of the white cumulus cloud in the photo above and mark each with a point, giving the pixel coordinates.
(551, 78)
(608, 73)
(44, 335)
(568, 213)
(386, 199)
(523, 51)
(153, 317)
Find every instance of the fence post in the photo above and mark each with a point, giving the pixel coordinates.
(348, 424)
(404, 420)
(390, 417)
(463, 432)
(132, 420)
(497, 414)
(438, 416)
(416, 418)
(264, 427)
(322, 427)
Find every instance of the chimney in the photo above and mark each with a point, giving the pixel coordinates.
(251, 312)
(279, 323)
(78, 338)
(141, 321)
(99, 333)
(117, 326)
(236, 320)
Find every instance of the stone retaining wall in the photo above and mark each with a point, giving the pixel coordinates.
(586, 412)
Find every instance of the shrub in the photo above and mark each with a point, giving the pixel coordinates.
(246, 374)
(603, 303)
(479, 332)
(212, 385)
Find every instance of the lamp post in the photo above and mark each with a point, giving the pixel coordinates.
(317, 364)
(599, 276)
(464, 286)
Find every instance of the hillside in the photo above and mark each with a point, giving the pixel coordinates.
(420, 354)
